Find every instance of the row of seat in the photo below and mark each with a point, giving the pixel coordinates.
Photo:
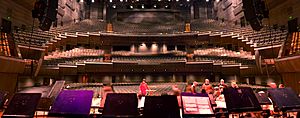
(72, 61)
(223, 53)
(149, 59)
(130, 53)
(157, 88)
(224, 60)
(34, 37)
(76, 52)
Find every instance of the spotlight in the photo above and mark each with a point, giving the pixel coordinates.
(207, 0)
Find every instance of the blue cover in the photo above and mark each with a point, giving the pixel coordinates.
(284, 99)
(72, 103)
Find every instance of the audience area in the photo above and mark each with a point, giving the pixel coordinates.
(76, 55)
(156, 89)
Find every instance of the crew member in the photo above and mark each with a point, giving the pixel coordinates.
(143, 88)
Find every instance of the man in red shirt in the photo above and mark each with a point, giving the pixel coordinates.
(143, 88)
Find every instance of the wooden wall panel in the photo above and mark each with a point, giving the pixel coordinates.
(8, 82)
(292, 80)
(16, 13)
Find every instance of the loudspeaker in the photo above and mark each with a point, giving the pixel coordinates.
(120, 105)
(292, 25)
(22, 105)
(5, 26)
(45, 24)
(161, 107)
(46, 15)
(251, 14)
(256, 24)
(39, 9)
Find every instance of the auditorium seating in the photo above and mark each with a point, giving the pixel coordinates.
(158, 59)
(159, 88)
(222, 56)
(87, 25)
(120, 27)
(32, 38)
(295, 43)
(76, 55)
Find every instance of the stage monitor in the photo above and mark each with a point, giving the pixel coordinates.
(241, 99)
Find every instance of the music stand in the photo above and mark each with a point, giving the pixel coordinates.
(242, 99)
(196, 105)
(161, 107)
(3, 95)
(120, 105)
(22, 105)
(284, 99)
(263, 99)
(72, 103)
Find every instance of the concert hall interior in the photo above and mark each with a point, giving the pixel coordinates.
(150, 58)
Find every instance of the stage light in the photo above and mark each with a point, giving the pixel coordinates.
(143, 7)
(154, 6)
(121, 0)
(110, 0)
(207, 0)
(158, 0)
(81, 0)
(131, 6)
(114, 6)
(93, 1)
(177, 0)
(188, 0)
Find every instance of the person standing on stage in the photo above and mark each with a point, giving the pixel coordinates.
(143, 88)
(194, 87)
(207, 87)
(222, 84)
